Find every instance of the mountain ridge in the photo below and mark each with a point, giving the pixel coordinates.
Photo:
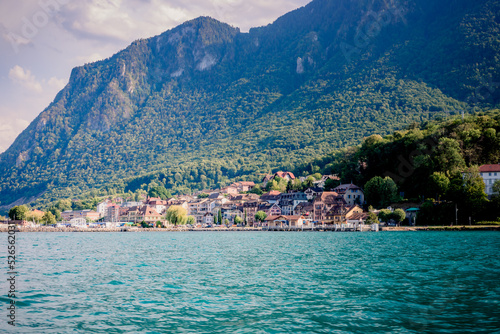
(269, 98)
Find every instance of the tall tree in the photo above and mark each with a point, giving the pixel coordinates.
(18, 212)
(176, 215)
(260, 216)
(381, 192)
(48, 218)
(219, 217)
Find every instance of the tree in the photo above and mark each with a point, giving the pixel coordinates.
(317, 176)
(55, 211)
(215, 220)
(384, 215)
(439, 184)
(159, 191)
(226, 222)
(331, 184)
(260, 216)
(191, 220)
(474, 189)
(381, 192)
(448, 155)
(398, 215)
(64, 204)
(176, 215)
(48, 218)
(496, 188)
(309, 182)
(238, 220)
(203, 195)
(219, 217)
(18, 212)
(372, 219)
(256, 190)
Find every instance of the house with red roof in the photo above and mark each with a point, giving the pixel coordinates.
(284, 175)
(490, 175)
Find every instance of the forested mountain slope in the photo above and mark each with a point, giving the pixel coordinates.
(204, 103)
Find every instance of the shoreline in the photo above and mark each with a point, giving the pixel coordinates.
(242, 229)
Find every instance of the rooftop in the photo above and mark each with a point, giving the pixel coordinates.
(489, 168)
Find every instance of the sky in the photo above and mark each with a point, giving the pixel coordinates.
(42, 40)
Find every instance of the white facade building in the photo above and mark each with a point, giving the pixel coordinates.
(490, 174)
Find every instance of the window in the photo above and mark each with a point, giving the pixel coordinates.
(489, 174)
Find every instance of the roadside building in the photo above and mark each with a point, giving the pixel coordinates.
(352, 194)
(285, 221)
(490, 174)
(84, 214)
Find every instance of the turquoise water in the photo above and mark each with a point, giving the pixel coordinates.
(256, 282)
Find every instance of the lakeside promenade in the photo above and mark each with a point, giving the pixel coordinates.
(246, 229)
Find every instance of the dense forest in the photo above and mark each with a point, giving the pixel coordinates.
(204, 104)
(435, 163)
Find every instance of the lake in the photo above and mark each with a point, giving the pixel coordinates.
(255, 282)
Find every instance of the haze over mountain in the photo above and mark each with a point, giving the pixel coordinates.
(203, 103)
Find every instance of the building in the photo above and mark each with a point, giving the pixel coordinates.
(312, 193)
(112, 213)
(341, 213)
(321, 183)
(102, 208)
(199, 207)
(250, 209)
(352, 194)
(271, 197)
(358, 218)
(284, 175)
(158, 204)
(287, 221)
(324, 203)
(490, 175)
(304, 209)
(84, 214)
(143, 213)
(270, 209)
(288, 202)
(230, 190)
(208, 218)
(231, 214)
(243, 186)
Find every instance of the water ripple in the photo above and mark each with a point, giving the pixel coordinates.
(258, 282)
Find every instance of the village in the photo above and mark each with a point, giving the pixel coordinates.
(245, 205)
(234, 206)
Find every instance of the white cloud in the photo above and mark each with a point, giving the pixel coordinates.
(10, 128)
(89, 58)
(24, 78)
(56, 84)
(120, 20)
(27, 80)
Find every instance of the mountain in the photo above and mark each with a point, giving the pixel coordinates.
(203, 103)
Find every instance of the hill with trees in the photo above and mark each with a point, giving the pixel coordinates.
(435, 163)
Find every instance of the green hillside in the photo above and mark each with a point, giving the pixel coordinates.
(426, 162)
(203, 103)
